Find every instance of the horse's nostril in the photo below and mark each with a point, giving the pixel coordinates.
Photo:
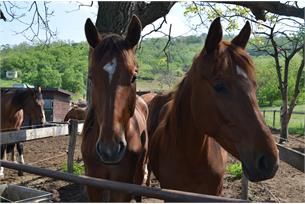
(262, 164)
(267, 165)
(110, 154)
(121, 147)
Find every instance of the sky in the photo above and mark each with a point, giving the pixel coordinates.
(68, 22)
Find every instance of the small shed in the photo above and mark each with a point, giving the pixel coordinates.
(11, 74)
(56, 102)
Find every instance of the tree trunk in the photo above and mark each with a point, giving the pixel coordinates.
(284, 117)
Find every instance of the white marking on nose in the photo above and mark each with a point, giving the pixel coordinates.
(241, 72)
(110, 68)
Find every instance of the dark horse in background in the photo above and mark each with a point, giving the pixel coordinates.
(14, 106)
(214, 107)
(115, 140)
(77, 113)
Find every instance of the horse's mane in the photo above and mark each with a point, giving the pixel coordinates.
(89, 121)
(180, 99)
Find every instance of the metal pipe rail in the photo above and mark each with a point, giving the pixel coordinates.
(164, 194)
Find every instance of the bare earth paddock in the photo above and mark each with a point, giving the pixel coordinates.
(287, 186)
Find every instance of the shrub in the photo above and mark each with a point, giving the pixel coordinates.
(78, 169)
(235, 169)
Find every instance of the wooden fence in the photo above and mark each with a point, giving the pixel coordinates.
(278, 111)
(292, 157)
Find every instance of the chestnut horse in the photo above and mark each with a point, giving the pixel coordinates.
(114, 135)
(214, 104)
(14, 104)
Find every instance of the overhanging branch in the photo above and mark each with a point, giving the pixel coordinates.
(259, 9)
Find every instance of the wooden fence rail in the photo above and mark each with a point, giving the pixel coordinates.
(278, 111)
(36, 133)
(164, 194)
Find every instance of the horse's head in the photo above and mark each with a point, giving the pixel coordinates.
(224, 103)
(33, 106)
(112, 71)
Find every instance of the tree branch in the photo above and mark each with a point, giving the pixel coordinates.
(296, 89)
(259, 9)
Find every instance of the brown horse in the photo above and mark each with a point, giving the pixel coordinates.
(14, 104)
(77, 113)
(114, 135)
(214, 103)
(148, 97)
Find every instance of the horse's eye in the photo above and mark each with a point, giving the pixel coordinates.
(134, 77)
(220, 88)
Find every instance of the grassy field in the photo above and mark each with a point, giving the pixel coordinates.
(296, 123)
(8, 83)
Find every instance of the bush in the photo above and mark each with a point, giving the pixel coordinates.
(235, 169)
(78, 169)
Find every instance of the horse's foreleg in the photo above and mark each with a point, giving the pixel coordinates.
(147, 176)
(94, 194)
(13, 153)
(119, 197)
(141, 172)
(20, 158)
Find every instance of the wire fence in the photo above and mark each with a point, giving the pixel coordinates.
(296, 124)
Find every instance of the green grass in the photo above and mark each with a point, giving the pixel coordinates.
(296, 123)
(8, 83)
(78, 169)
(235, 170)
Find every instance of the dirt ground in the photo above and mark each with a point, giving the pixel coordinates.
(287, 186)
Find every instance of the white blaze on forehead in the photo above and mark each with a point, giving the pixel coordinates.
(110, 68)
(241, 72)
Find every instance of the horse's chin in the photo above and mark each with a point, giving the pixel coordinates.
(253, 175)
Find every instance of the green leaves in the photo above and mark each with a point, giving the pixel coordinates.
(235, 170)
(58, 65)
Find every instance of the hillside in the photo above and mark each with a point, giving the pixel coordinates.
(64, 64)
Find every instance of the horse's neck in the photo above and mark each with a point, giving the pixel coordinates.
(9, 107)
(188, 136)
(11, 117)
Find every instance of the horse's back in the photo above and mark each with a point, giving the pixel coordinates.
(148, 97)
(77, 113)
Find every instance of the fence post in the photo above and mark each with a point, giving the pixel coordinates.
(72, 140)
(304, 126)
(244, 187)
(273, 120)
(264, 113)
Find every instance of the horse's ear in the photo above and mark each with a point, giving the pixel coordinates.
(242, 38)
(91, 33)
(214, 36)
(134, 32)
(30, 90)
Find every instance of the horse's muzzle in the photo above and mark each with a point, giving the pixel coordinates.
(266, 167)
(110, 153)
